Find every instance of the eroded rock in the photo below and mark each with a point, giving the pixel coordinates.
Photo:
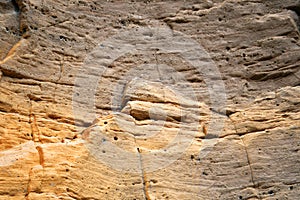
(152, 128)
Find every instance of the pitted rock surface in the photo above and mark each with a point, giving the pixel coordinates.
(145, 100)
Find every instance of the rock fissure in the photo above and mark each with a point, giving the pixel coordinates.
(143, 176)
(35, 132)
(249, 163)
(247, 154)
(28, 188)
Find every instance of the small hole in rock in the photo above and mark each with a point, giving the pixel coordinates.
(227, 48)
(240, 197)
(271, 192)
(291, 187)
(105, 122)
(154, 181)
(192, 157)
(115, 138)
(24, 30)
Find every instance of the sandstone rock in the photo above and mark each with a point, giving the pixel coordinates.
(149, 99)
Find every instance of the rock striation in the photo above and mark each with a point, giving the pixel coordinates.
(149, 99)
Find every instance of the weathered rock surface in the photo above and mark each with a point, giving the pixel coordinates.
(149, 99)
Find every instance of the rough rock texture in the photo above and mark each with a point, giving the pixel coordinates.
(157, 126)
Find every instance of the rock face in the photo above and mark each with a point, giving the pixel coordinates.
(149, 99)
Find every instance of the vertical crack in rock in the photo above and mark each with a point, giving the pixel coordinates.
(61, 66)
(28, 189)
(159, 73)
(157, 68)
(61, 69)
(35, 132)
(249, 163)
(30, 120)
(144, 177)
(247, 154)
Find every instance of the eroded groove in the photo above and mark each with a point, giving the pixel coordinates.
(247, 155)
(144, 177)
(28, 189)
(249, 163)
(35, 133)
(41, 155)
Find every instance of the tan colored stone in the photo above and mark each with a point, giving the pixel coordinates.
(152, 128)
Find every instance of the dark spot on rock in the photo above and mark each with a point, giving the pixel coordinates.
(115, 138)
(105, 122)
(271, 192)
(154, 181)
(192, 157)
(16, 6)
